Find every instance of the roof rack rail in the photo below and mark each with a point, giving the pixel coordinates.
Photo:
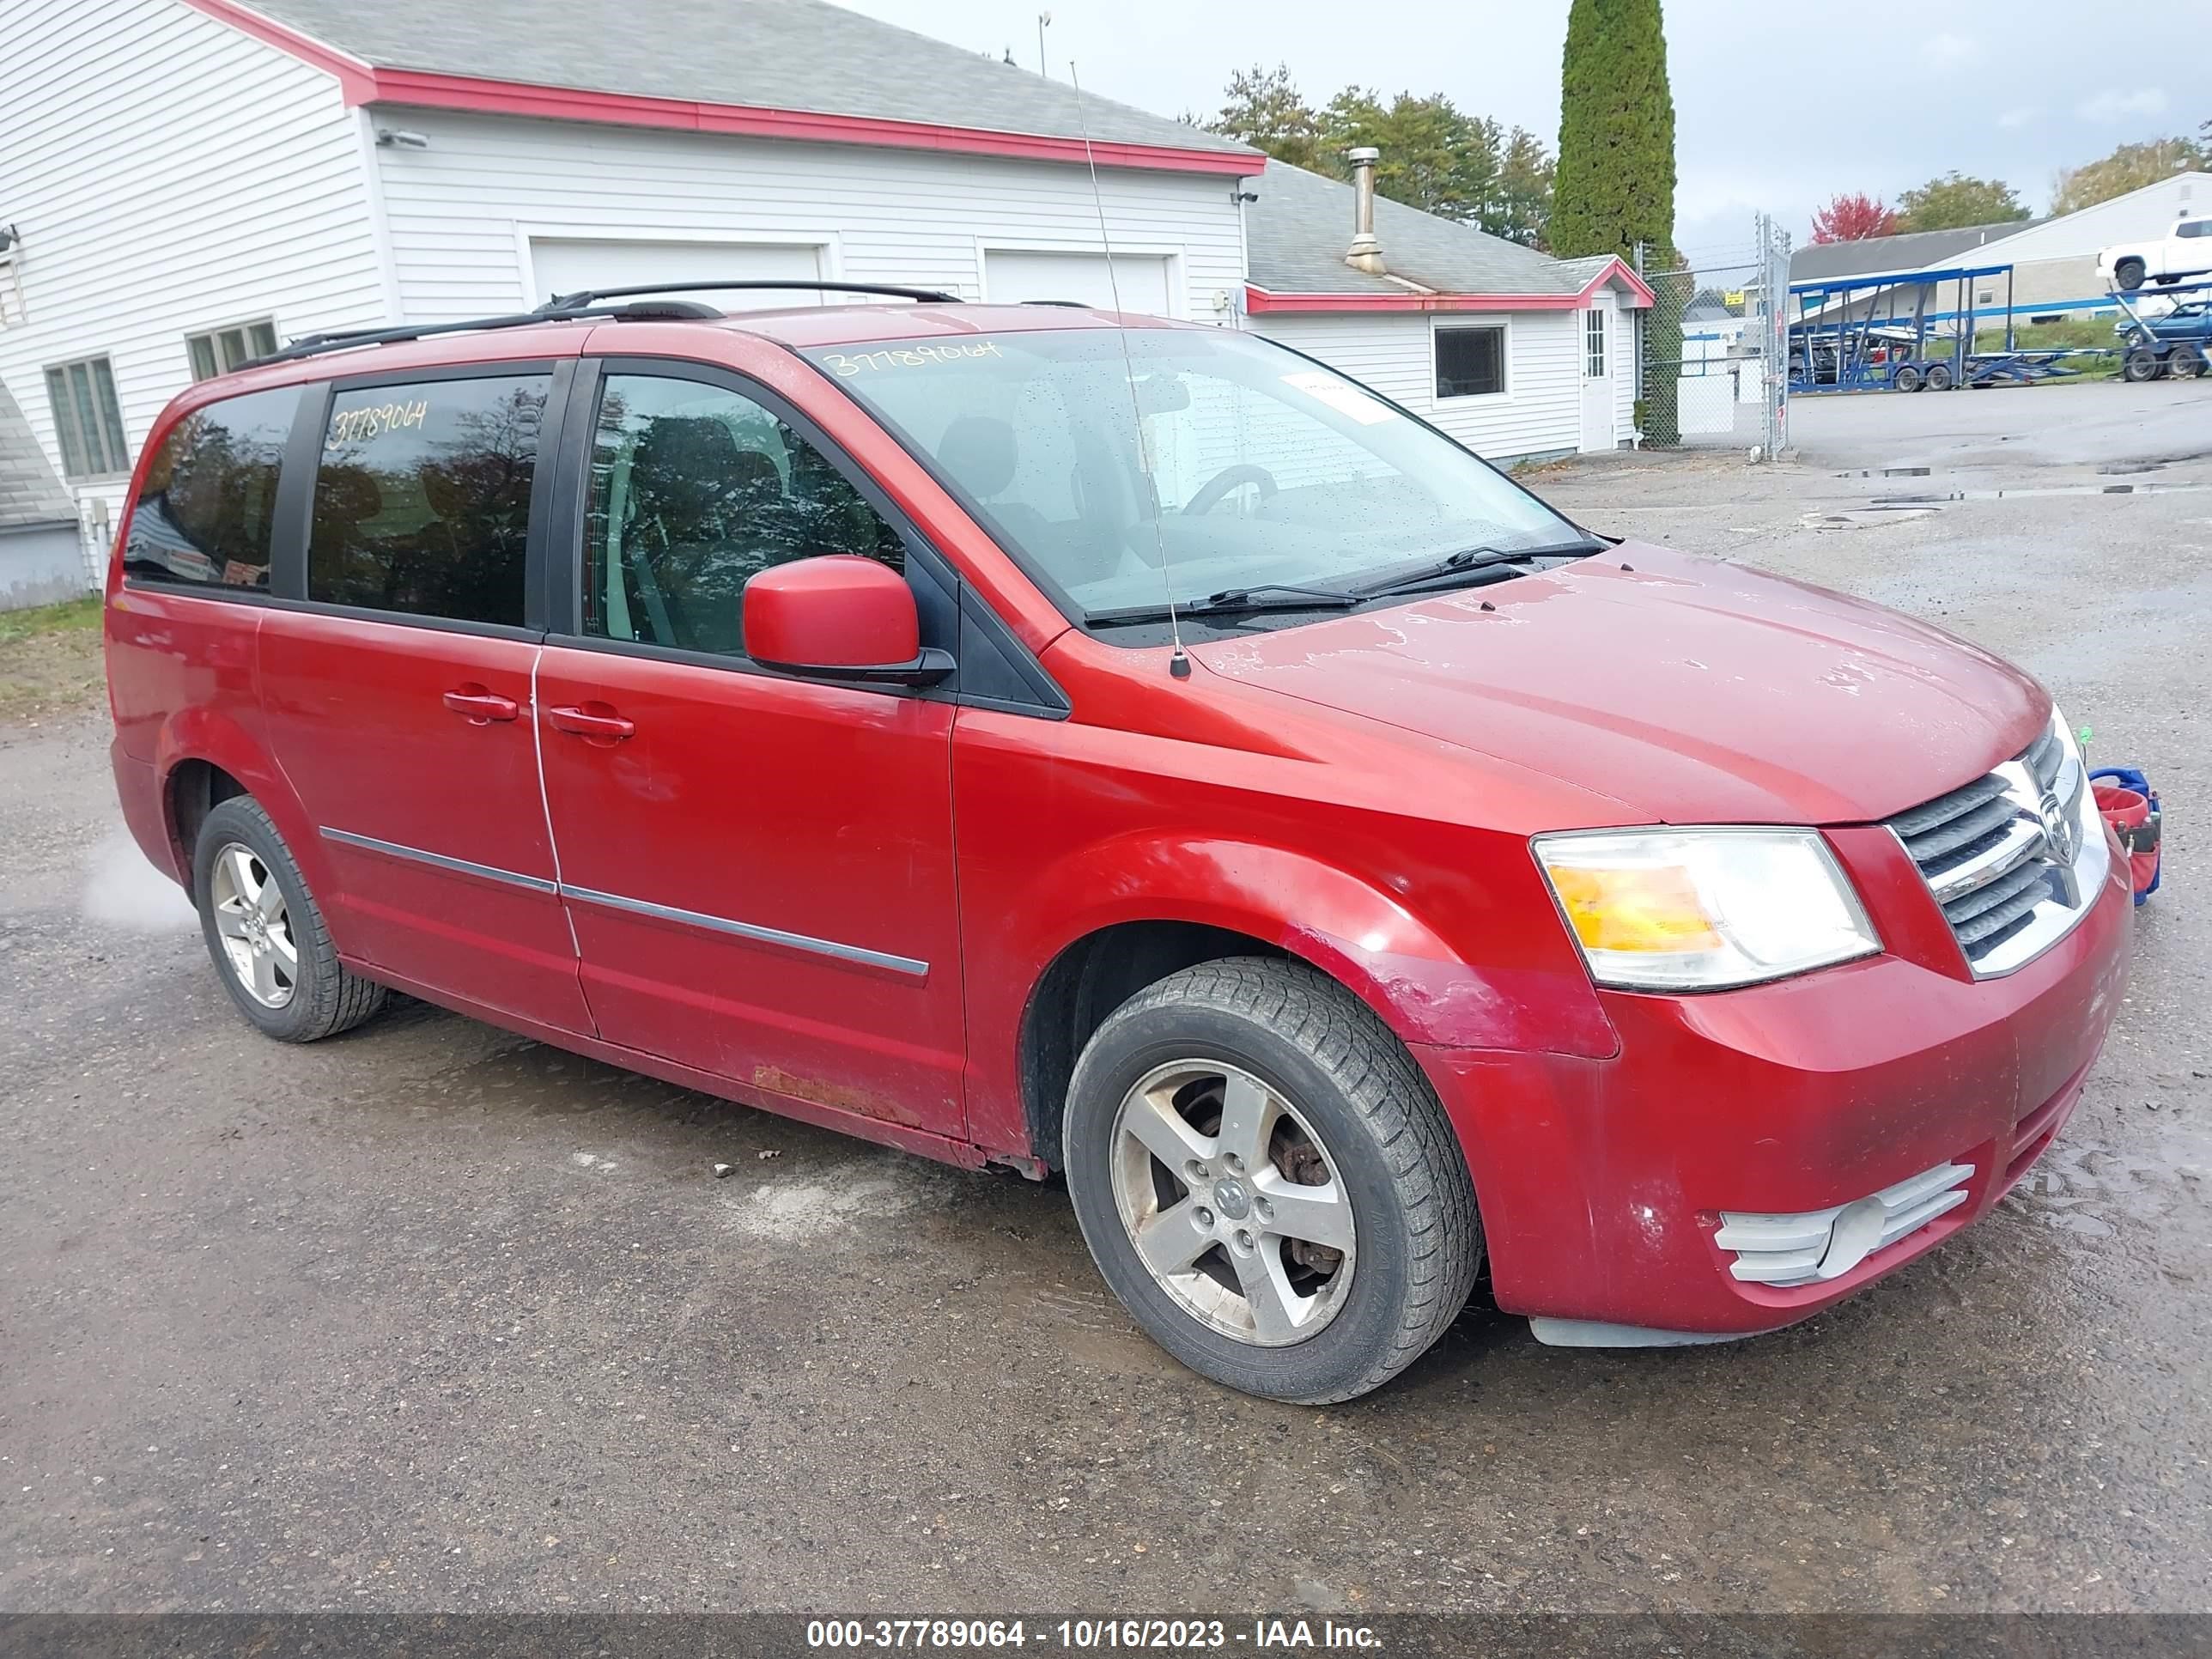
(313, 345)
(591, 295)
(1072, 305)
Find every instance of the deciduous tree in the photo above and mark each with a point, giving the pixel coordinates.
(1955, 201)
(1853, 218)
(2129, 168)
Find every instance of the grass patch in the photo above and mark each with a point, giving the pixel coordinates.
(69, 616)
(50, 657)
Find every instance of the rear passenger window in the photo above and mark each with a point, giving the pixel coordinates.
(695, 488)
(422, 497)
(210, 494)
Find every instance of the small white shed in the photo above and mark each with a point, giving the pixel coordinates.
(1516, 354)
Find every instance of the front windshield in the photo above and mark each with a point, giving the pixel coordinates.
(1243, 465)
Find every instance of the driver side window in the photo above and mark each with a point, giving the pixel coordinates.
(694, 490)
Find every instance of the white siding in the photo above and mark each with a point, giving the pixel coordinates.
(463, 210)
(168, 174)
(1539, 413)
(1627, 370)
(2141, 215)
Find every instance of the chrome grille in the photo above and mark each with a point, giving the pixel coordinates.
(1995, 854)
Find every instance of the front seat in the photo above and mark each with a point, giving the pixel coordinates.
(689, 489)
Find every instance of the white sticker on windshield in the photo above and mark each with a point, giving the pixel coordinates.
(1340, 396)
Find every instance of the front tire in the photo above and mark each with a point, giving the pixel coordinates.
(266, 933)
(2128, 274)
(1267, 1182)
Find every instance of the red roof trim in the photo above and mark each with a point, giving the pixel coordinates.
(362, 83)
(1258, 299)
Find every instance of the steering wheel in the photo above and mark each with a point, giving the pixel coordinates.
(1211, 492)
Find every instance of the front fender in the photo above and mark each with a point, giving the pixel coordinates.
(1350, 929)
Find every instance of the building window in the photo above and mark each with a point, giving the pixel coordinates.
(1470, 361)
(220, 350)
(1593, 344)
(87, 419)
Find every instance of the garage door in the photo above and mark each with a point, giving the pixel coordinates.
(562, 265)
(1010, 277)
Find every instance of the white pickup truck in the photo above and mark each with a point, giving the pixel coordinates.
(2183, 250)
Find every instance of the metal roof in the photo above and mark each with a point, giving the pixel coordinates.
(1918, 250)
(1296, 234)
(797, 55)
(30, 494)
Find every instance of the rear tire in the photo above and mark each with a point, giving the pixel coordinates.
(266, 933)
(1939, 377)
(1341, 1244)
(2141, 364)
(2185, 363)
(2128, 274)
(1907, 379)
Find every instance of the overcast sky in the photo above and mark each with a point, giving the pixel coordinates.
(1765, 115)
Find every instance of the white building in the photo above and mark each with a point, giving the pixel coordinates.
(191, 182)
(1514, 353)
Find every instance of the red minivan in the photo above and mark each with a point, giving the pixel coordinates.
(1028, 737)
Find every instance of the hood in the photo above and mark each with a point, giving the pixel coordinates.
(1692, 690)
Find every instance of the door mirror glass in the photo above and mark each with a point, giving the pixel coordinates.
(839, 616)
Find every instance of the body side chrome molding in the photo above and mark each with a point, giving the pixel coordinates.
(439, 860)
(746, 930)
(821, 947)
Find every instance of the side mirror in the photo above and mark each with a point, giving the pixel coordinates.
(839, 617)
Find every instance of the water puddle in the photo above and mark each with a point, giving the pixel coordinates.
(1937, 497)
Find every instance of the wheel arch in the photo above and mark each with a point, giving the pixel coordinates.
(1241, 899)
(204, 757)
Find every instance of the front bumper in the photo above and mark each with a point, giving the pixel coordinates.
(1602, 1183)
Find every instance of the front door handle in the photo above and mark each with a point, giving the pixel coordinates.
(480, 705)
(595, 720)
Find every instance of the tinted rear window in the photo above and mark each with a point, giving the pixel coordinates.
(210, 494)
(422, 497)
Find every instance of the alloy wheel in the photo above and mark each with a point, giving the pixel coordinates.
(255, 927)
(1232, 1202)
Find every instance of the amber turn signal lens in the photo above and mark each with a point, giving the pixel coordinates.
(1632, 909)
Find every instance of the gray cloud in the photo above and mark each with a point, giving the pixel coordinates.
(1771, 111)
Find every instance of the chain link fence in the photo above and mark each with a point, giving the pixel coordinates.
(1715, 346)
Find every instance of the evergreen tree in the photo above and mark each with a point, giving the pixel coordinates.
(1615, 184)
(1264, 109)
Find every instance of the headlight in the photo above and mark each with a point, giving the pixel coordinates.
(1703, 910)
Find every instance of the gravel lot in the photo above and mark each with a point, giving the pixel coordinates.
(428, 1316)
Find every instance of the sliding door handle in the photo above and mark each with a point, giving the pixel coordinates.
(480, 705)
(595, 720)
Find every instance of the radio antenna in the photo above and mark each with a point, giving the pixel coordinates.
(1178, 662)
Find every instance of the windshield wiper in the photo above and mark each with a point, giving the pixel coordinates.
(1235, 601)
(1468, 560)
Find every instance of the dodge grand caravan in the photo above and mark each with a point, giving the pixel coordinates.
(1129, 750)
